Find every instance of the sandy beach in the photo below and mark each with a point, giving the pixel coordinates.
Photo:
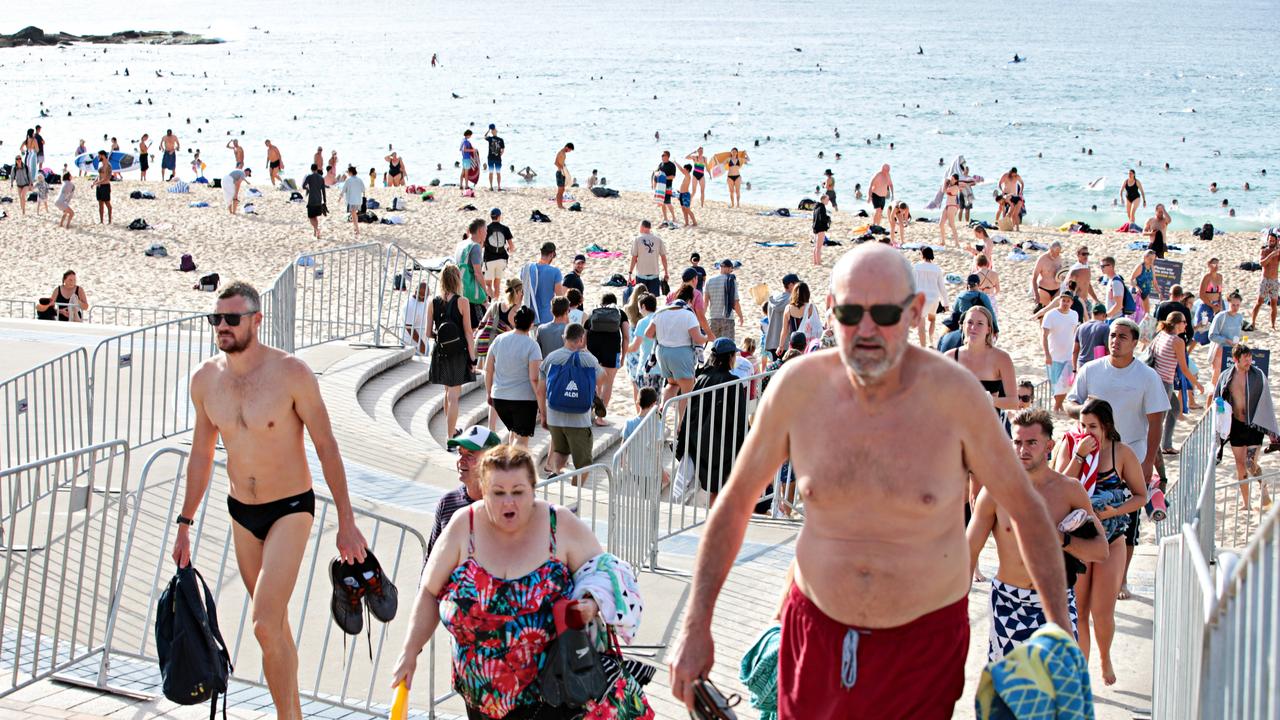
(111, 266)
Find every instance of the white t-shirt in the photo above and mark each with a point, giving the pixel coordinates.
(646, 250)
(415, 315)
(673, 325)
(930, 281)
(1133, 392)
(1062, 333)
(352, 190)
(1115, 294)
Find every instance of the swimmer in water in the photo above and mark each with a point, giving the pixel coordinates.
(1213, 187)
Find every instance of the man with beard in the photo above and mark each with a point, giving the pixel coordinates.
(259, 399)
(878, 608)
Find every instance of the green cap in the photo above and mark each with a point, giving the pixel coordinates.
(476, 437)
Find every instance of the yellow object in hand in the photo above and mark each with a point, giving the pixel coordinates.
(400, 706)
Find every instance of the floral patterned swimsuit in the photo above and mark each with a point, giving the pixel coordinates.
(501, 628)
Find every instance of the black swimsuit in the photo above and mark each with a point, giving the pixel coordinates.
(393, 170)
(259, 518)
(1132, 192)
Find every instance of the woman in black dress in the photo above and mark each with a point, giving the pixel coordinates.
(606, 326)
(453, 347)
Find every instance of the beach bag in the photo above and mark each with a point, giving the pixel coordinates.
(194, 662)
(576, 207)
(537, 216)
(209, 283)
(397, 203)
(139, 224)
(472, 286)
(606, 320)
(448, 334)
(366, 217)
(217, 183)
(572, 673)
(806, 204)
(571, 386)
(295, 197)
(187, 263)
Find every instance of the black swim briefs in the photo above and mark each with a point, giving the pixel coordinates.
(259, 518)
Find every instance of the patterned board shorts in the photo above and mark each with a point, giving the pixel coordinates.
(1016, 613)
(1269, 289)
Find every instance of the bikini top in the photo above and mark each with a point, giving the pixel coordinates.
(501, 627)
(993, 387)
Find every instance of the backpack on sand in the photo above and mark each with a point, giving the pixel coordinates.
(194, 662)
(571, 386)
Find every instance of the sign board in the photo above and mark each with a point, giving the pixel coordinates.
(1261, 360)
(1167, 274)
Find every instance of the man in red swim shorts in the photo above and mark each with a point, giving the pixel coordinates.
(876, 624)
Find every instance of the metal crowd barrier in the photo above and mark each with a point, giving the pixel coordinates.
(1243, 654)
(44, 411)
(724, 408)
(124, 315)
(62, 528)
(141, 380)
(1196, 465)
(324, 296)
(636, 492)
(400, 279)
(1042, 396)
(1235, 524)
(334, 670)
(1183, 601)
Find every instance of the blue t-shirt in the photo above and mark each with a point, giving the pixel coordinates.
(630, 426)
(547, 277)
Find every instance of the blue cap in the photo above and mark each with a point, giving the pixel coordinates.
(495, 213)
(688, 275)
(790, 279)
(723, 346)
(491, 126)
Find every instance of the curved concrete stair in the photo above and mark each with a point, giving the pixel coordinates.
(379, 395)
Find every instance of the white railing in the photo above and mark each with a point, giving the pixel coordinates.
(353, 677)
(62, 531)
(101, 314)
(1184, 596)
(1243, 653)
(140, 389)
(44, 411)
(1196, 463)
(636, 492)
(324, 296)
(1236, 523)
(400, 279)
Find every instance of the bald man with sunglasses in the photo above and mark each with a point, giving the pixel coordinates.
(876, 622)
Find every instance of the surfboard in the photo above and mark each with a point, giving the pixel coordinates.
(120, 161)
(719, 162)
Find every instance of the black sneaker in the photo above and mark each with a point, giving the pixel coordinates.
(380, 594)
(348, 588)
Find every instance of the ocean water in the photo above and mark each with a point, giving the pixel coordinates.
(1193, 84)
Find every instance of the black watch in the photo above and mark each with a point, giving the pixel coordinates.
(183, 520)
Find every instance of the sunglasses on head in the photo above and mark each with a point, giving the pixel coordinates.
(882, 315)
(232, 319)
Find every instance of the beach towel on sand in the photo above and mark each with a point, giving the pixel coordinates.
(772, 244)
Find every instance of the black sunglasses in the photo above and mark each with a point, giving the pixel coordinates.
(232, 319)
(1024, 398)
(882, 315)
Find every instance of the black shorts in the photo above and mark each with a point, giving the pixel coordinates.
(1245, 435)
(1131, 533)
(275, 164)
(315, 211)
(559, 179)
(520, 416)
(831, 195)
(103, 193)
(605, 347)
(259, 518)
(877, 201)
(143, 162)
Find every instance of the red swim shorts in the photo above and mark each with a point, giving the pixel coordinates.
(830, 670)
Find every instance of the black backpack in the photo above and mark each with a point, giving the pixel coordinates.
(605, 320)
(448, 333)
(209, 283)
(194, 662)
(139, 224)
(572, 673)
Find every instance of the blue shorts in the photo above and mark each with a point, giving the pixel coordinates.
(686, 199)
(676, 363)
(495, 165)
(466, 162)
(169, 161)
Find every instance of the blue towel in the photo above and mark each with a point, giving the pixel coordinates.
(769, 243)
(1046, 678)
(759, 672)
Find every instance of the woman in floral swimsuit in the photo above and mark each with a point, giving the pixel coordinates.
(492, 580)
